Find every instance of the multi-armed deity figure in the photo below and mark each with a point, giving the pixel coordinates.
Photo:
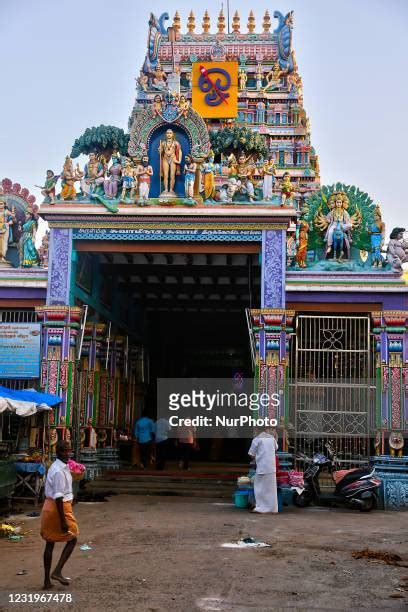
(338, 224)
(190, 173)
(143, 172)
(170, 160)
(69, 177)
(94, 175)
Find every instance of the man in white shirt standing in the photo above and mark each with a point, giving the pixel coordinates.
(263, 450)
(58, 523)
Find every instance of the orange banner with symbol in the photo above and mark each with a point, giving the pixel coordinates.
(215, 89)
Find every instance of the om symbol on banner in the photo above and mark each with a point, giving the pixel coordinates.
(216, 88)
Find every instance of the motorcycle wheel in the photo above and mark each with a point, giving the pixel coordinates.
(301, 501)
(369, 504)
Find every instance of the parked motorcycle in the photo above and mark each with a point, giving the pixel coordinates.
(355, 488)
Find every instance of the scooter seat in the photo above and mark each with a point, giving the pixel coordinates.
(348, 476)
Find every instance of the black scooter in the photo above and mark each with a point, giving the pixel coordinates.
(355, 489)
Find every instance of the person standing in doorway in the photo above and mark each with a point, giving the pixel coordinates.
(263, 450)
(186, 443)
(162, 442)
(144, 431)
(58, 523)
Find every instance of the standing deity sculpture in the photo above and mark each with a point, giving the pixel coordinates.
(144, 172)
(94, 175)
(259, 77)
(190, 168)
(129, 180)
(268, 172)
(7, 219)
(260, 112)
(397, 250)
(170, 159)
(242, 78)
(302, 237)
(208, 169)
(48, 189)
(157, 105)
(287, 189)
(69, 177)
(112, 183)
(338, 225)
(377, 234)
(28, 253)
(184, 105)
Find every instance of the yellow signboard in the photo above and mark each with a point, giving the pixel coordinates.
(215, 89)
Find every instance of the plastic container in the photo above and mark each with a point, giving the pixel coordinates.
(241, 499)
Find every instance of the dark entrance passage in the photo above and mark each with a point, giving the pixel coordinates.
(188, 312)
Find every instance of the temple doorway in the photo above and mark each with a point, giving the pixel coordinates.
(186, 306)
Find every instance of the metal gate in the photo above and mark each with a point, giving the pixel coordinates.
(332, 391)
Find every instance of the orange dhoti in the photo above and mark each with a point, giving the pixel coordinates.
(68, 192)
(51, 522)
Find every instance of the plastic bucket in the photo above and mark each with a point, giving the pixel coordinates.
(241, 499)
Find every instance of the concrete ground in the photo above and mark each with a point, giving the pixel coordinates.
(164, 553)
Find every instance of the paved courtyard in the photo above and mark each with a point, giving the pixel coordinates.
(165, 553)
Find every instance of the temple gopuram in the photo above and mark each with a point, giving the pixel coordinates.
(200, 242)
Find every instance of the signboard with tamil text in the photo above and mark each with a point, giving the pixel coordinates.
(20, 346)
(102, 233)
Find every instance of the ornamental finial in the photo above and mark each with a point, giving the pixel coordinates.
(266, 22)
(176, 22)
(191, 23)
(221, 22)
(236, 25)
(206, 23)
(251, 23)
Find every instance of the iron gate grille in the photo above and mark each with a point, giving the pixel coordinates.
(332, 394)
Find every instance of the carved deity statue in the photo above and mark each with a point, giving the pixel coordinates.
(268, 173)
(143, 172)
(7, 219)
(111, 184)
(190, 168)
(48, 189)
(273, 78)
(338, 224)
(208, 169)
(377, 234)
(287, 189)
(397, 251)
(242, 78)
(245, 171)
(94, 175)
(129, 179)
(69, 177)
(302, 237)
(170, 160)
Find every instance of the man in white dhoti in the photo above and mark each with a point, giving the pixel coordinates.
(263, 449)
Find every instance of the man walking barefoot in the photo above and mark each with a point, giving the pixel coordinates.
(58, 523)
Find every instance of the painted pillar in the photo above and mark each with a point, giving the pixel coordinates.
(60, 267)
(390, 329)
(60, 325)
(271, 325)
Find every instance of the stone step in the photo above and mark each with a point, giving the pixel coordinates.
(99, 486)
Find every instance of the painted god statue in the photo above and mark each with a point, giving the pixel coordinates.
(94, 173)
(7, 219)
(287, 189)
(268, 173)
(144, 172)
(397, 251)
(28, 253)
(190, 168)
(129, 179)
(170, 160)
(112, 183)
(208, 170)
(48, 189)
(338, 225)
(245, 170)
(69, 177)
(302, 236)
(377, 234)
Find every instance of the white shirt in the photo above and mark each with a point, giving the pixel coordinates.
(263, 448)
(59, 482)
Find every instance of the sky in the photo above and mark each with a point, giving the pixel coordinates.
(68, 65)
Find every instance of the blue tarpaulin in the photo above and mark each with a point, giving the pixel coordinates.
(30, 396)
